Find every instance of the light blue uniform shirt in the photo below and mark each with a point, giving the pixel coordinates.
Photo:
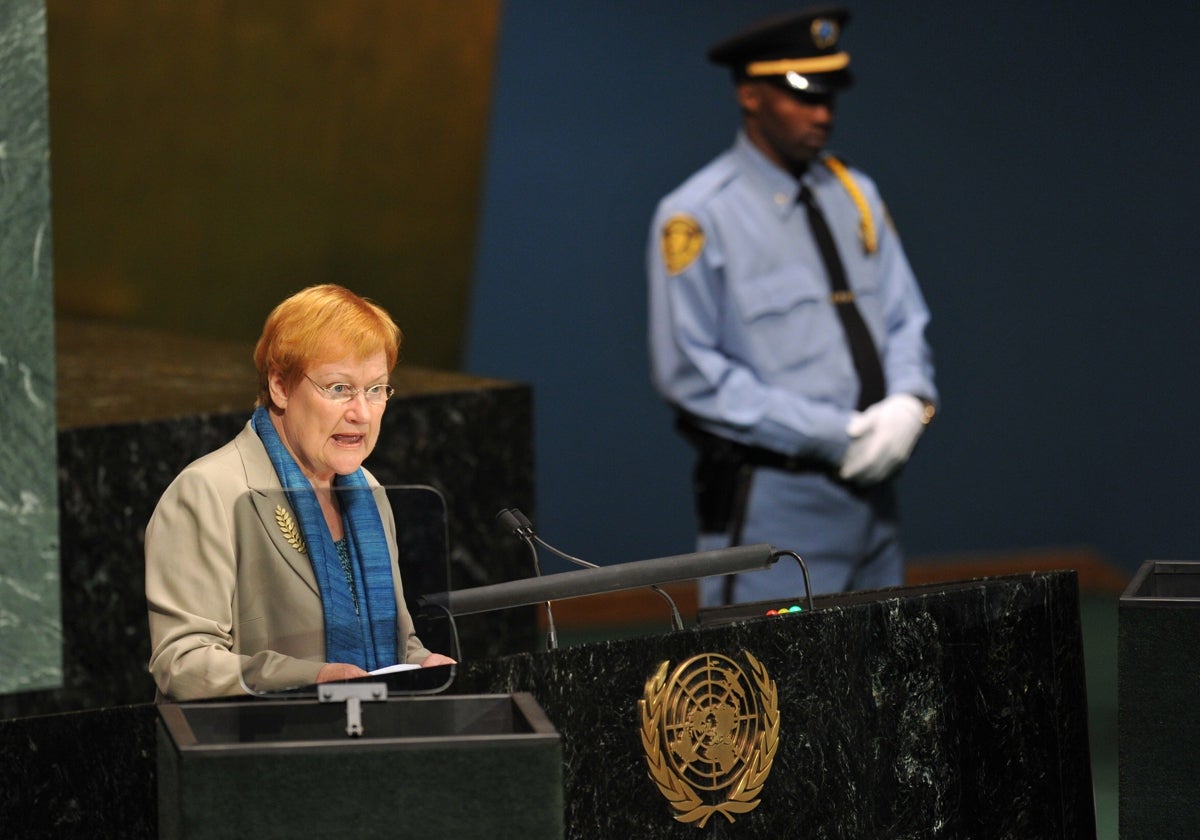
(745, 337)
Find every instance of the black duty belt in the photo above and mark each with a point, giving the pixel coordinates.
(757, 456)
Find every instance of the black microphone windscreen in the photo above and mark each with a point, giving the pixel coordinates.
(509, 521)
(611, 578)
(523, 519)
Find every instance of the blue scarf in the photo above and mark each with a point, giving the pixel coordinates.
(366, 637)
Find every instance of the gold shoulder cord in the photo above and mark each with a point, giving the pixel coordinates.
(866, 224)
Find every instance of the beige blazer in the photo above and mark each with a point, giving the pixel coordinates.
(226, 591)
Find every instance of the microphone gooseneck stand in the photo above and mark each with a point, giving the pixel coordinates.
(520, 525)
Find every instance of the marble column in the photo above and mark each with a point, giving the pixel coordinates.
(30, 625)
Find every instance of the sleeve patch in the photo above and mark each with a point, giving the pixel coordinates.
(682, 242)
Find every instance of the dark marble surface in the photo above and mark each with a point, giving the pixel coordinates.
(469, 438)
(110, 374)
(80, 775)
(952, 712)
(955, 715)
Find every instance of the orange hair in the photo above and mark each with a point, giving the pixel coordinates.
(322, 323)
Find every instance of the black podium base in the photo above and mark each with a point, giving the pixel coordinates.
(466, 766)
(1158, 682)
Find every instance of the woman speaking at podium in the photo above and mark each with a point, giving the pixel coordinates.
(271, 563)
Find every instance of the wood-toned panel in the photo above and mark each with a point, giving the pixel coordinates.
(211, 157)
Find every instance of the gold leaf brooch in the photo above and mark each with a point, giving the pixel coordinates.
(291, 532)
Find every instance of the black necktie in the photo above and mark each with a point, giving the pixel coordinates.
(871, 386)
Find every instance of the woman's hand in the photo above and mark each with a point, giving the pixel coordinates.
(334, 671)
(436, 659)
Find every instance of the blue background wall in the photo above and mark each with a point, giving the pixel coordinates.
(1038, 160)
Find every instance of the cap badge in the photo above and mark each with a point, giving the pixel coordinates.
(682, 242)
(825, 33)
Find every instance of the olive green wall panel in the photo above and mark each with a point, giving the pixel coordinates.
(210, 158)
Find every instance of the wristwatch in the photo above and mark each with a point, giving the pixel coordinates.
(927, 411)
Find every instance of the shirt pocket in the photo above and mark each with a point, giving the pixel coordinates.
(787, 318)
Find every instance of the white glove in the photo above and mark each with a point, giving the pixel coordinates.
(882, 438)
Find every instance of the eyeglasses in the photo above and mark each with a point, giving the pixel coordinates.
(340, 392)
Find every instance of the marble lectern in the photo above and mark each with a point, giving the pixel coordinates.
(944, 711)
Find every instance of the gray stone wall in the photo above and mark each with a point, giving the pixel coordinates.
(30, 612)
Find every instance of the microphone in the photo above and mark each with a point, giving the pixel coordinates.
(524, 522)
(611, 578)
(523, 528)
(508, 517)
(517, 524)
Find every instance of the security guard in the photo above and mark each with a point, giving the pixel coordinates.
(787, 328)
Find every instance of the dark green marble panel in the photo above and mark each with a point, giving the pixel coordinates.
(30, 627)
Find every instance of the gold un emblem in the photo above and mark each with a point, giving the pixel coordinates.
(710, 735)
